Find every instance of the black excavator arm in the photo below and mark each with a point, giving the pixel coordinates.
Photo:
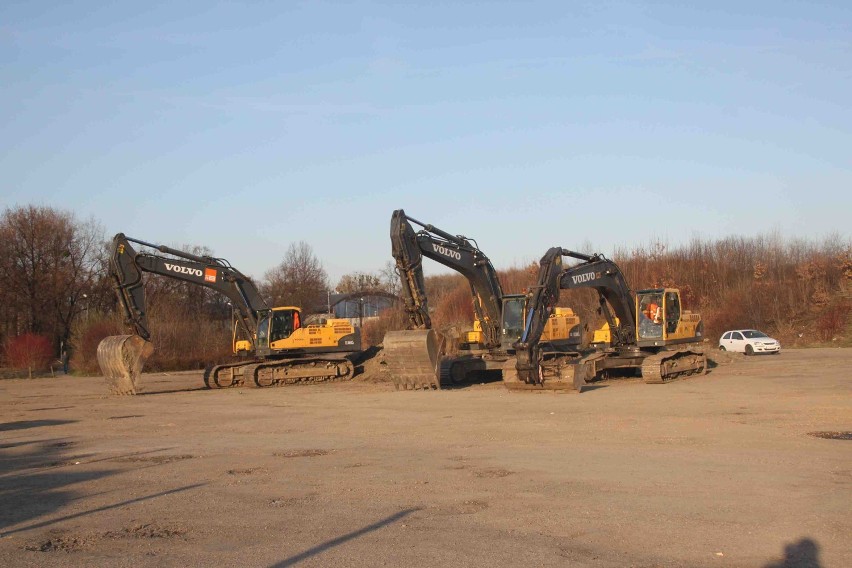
(454, 251)
(127, 265)
(594, 271)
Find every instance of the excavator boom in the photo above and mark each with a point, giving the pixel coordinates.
(413, 356)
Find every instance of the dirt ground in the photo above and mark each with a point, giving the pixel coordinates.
(721, 470)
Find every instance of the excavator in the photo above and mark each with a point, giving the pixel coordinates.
(649, 331)
(274, 345)
(414, 356)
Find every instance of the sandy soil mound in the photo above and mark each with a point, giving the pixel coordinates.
(724, 357)
(370, 367)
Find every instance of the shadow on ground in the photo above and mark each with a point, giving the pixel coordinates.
(801, 554)
(329, 544)
(37, 476)
(27, 424)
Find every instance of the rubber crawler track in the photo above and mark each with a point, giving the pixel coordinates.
(669, 365)
(279, 373)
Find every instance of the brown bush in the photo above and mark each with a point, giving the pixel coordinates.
(454, 308)
(832, 321)
(29, 351)
(85, 339)
(186, 339)
(374, 330)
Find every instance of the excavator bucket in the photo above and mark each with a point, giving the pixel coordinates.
(121, 358)
(412, 358)
(562, 374)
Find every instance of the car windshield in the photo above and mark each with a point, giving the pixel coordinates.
(754, 334)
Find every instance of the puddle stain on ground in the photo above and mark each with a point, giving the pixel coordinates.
(463, 508)
(153, 459)
(75, 543)
(293, 501)
(832, 435)
(302, 453)
(493, 473)
(247, 471)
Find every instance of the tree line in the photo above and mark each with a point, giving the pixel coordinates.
(56, 295)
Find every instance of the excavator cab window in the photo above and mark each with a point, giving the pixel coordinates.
(650, 315)
(283, 324)
(672, 311)
(263, 328)
(513, 320)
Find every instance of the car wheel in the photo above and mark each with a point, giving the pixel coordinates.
(721, 348)
(749, 350)
(776, 353)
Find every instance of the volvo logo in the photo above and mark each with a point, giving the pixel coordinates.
(446, 252)
(587, 277)
(183, 269)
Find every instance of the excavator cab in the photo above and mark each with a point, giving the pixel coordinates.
(512, 326)
(650, 311)
(659, 313)
(276, 324)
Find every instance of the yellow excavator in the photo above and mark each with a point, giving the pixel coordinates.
(275, 346)
(415, 357)
(648, 331)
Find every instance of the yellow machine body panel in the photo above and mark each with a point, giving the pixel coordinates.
(474, 336)
(560, 325)
(327, 334)
(601, 337)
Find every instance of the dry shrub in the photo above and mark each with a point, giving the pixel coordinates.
(85, 340)
(832, 322)
(181, 341)
(518, 280)
(29, 351)
(374, 330)
(726, 314)
(454, 308)
(186, 340)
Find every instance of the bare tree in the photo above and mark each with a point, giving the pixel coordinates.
(48, 262)
(300, 280)
(359, 282)
(390, 279)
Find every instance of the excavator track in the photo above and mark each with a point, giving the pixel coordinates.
(121, 359)
(412, 359)
(307, 370)
(666, 366)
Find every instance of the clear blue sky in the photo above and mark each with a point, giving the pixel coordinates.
(248, 126)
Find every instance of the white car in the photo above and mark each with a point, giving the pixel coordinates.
(749, 341)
